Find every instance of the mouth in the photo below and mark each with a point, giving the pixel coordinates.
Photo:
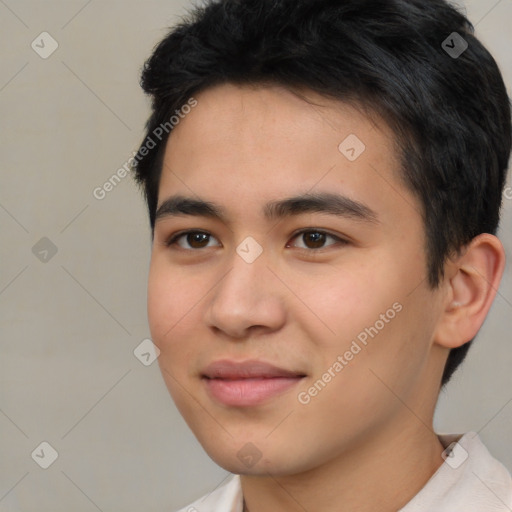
(247, 383)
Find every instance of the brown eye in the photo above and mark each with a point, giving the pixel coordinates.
(194, 239)
(315, 239)
(197, 240)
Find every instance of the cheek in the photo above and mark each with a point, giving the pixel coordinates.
(160, 304)
(395, 355)
(169, 293)
(167, 305)
(348, 301)
(174, 302)
(171, 331)
(369, 313)
(167, 321)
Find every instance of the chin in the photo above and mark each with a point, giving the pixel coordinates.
(253, 459)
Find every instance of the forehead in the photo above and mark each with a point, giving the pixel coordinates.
(250, 144)
(258, 108)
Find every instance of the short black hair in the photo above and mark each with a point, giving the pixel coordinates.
(404, 60)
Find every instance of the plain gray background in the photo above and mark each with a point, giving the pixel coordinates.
(71, 320)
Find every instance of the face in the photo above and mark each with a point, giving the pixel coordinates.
(288, 327)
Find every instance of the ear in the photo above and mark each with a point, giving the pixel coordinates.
(472, 281)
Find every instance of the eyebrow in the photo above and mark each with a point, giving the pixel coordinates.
(321, 202)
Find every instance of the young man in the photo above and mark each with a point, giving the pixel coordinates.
(324, 181)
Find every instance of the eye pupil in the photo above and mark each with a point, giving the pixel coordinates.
(318, 239)
(197, 237)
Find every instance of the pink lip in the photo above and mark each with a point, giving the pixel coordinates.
(247, 383)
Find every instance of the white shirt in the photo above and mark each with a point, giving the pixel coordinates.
(470, 480)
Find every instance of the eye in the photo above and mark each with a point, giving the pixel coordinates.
(312, 239)
(195, 239)
(315, 238)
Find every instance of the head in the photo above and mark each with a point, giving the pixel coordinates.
(259, 100)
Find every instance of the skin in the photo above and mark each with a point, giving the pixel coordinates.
(366, 439)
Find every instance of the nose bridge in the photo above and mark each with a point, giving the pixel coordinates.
(243, 283)
(245, 296)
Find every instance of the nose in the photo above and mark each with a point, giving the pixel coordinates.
(248, 298)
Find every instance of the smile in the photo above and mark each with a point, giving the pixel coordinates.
(248, 383)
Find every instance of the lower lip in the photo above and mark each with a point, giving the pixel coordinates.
(248, 392)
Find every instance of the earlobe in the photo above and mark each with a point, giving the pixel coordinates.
(473, 283)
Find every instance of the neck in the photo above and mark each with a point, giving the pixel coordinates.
(384, 473)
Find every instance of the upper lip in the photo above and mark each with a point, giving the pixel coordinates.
(250, 369)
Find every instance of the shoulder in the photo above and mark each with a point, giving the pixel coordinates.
(470, 479)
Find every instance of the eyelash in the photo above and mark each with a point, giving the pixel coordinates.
(174, 238)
